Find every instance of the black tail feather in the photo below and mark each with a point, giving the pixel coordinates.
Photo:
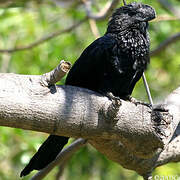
(45, 154)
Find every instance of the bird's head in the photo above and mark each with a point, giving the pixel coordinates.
(132, 15)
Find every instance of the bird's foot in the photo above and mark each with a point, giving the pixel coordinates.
(137, 102)
(115, 100)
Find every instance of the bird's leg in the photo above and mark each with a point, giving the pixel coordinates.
(115, 99)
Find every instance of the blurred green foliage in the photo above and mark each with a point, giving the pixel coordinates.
(25, 23)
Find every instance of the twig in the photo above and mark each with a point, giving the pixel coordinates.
(92, 22)
(94, 28)
(5, 63)
(63, 155)
(6, 58)
(102, 14)
(56, 74)
(61, 170)
(169, 7)
(165, 44)
(43, 39)
(165, 18)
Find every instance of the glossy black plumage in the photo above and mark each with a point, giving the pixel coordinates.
(112, 63)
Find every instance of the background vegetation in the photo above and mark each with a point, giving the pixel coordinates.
(22, 23)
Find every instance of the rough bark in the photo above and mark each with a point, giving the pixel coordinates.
(132, 135)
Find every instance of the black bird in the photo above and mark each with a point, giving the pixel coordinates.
(111, 64)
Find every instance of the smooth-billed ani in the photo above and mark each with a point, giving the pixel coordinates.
(111, 64)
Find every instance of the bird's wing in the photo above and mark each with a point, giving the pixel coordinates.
(93, 63)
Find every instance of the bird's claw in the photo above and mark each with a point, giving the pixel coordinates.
(115, 100)
(137, 102)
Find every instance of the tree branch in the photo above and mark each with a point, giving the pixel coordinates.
(170, 7)
(133, 137)
(65, 154)
(100, 16)
(56, 74)
(68, 111)
(43, 39)
(174, 38)
(92, 18)
(103, 13)
(172, 152)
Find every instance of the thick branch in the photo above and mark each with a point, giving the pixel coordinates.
(171, 152)
(131, 133)
(119, 153)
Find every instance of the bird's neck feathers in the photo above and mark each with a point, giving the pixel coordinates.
(122, 24)
(118, 23)
(132, 38)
